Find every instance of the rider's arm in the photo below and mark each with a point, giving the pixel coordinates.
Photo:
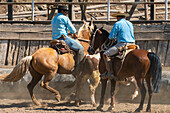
(70, 26)
(113, 32)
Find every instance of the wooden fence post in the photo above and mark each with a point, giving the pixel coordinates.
(132, 10)
(70, 10)
(146, 10)
(83, 10)
(51, 14)
(153, 11)
(10, 11)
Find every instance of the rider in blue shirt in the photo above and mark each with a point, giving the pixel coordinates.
(123, 32)
(61, 24)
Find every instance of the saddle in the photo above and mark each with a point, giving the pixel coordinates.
(123, 51)
(60, 46)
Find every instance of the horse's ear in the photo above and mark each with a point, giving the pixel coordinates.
(95, 27)
(84, 21)
(99, 31)
(102, 27)
(91, 23)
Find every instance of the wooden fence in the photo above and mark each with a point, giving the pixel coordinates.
(18, 41)
(51, 7)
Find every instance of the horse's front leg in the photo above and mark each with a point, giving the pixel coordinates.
(81, 80)
(112, 91)
(104, 84)
(94, 81)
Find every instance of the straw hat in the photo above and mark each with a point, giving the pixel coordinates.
(121, 13)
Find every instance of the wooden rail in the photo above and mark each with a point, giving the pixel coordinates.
(75, 3)
(18, 41)
(79, 3)
(79, 22)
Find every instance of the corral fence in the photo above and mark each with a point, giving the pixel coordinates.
(22, 38)
(88, 10)
(18, 41)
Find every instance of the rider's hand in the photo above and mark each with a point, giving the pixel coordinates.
(75, 36)
(69, 33)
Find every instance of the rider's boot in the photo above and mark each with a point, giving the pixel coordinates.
(109, 74)
(79, 57)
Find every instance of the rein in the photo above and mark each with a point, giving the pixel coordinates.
(84, 40)
(105, 46)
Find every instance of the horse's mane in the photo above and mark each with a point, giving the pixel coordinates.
(104, 32)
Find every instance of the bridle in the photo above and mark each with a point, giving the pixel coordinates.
(105, 46)
(91, 45)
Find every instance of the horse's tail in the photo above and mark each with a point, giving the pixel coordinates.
(18, 72)
(156, 70)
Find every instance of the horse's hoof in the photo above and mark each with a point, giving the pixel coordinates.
(77, 104)
(138, 110)
(94, 105)
(148, 110)
(132, 97)
(110, 108)
(44, 105)
(99, 108)
(36, 103)
(57, 97)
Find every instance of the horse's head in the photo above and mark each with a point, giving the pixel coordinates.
(86, 30)
(97, 39)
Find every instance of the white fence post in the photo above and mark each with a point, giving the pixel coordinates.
(108, 10)
(166, 9)
(32, 10)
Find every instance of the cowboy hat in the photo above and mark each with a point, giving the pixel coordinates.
(120, 13)
(63, 7)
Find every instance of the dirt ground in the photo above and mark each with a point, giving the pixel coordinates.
(25, 106)
(14, 98)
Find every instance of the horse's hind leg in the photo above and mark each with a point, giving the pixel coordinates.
(135, 94)
(45, 82)
(140, 82)
(36, 77)
(94, 81)
(150, 91)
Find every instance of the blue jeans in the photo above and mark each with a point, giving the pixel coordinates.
(76, 46)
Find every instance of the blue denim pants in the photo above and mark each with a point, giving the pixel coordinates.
(76, 46)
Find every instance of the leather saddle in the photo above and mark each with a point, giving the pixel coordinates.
(123, 51)
(60, 46)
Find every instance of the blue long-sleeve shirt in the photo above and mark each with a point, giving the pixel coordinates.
(60, 25)
(123, 30)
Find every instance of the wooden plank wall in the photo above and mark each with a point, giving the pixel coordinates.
(18, 41)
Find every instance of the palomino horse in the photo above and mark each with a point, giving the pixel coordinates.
(141, 64)
(47, 62)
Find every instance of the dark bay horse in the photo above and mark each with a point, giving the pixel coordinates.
(141, 64)
(46, 62)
